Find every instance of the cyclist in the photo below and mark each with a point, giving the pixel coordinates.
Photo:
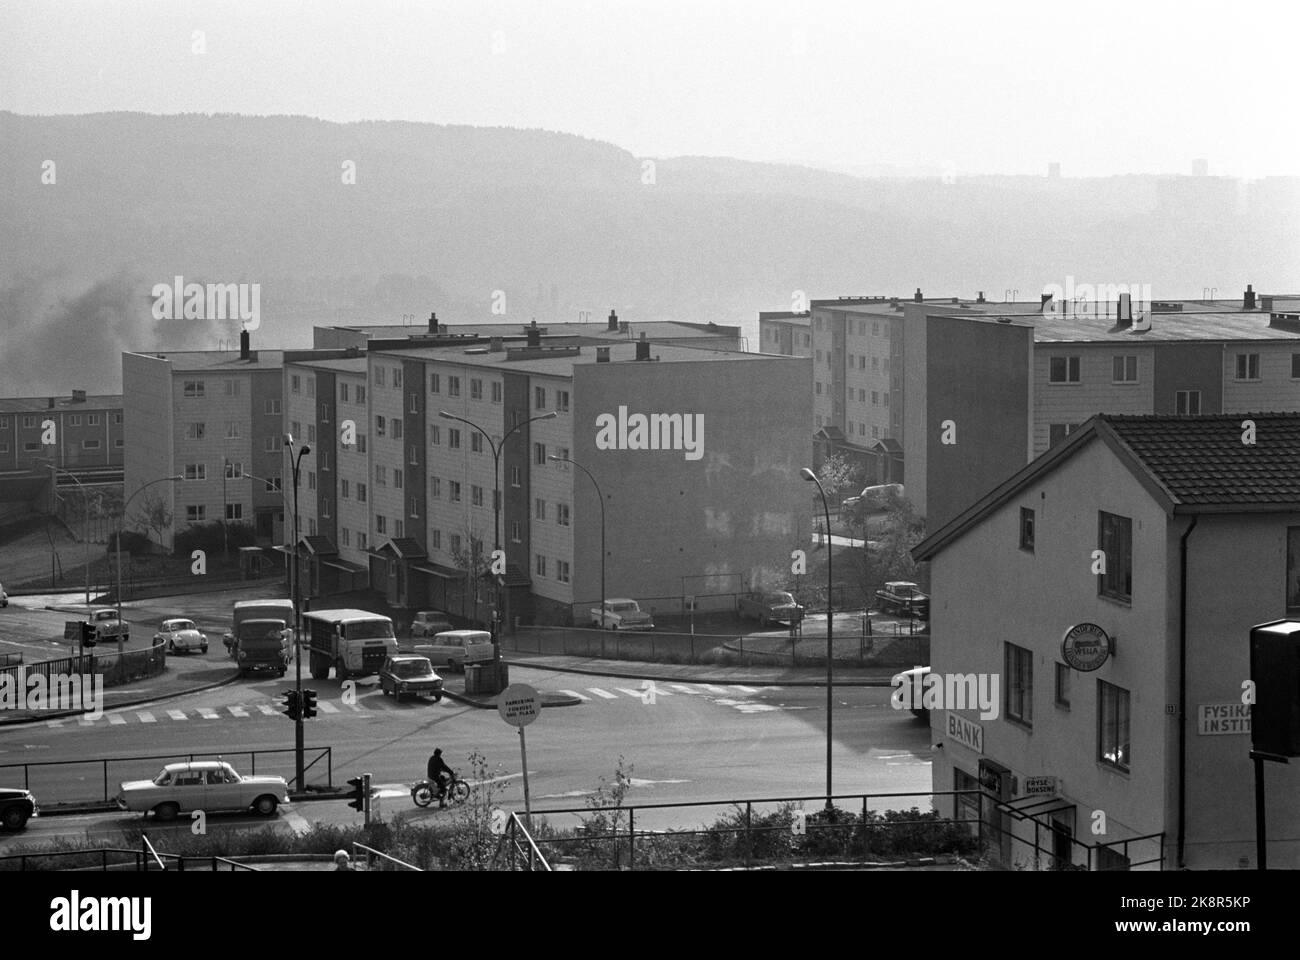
(437, 768)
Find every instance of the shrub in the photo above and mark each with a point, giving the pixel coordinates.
(210, 538)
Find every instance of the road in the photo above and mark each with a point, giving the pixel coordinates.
(687, 743)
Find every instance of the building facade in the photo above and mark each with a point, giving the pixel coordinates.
(78, 432)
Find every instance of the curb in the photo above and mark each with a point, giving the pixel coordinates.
(661, 678)
(68, 714)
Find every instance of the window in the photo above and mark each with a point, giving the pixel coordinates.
(29, 422)
(345, 489)
(1248, 366)
(539, 454)
(295, 383)
(564, 454)
(381, 476)
(311, 433)
(453, 437)
(343, 397)
(31, 446)
(272, 408)
(295, 429)
(194, 390)
(361, 398)
(875, 398)
(381, 427)
(196, 513)
(562, 571)
(232, 430)
(311, 479)
(196, 471)
(415, 508)
(1056, 432)
(436, 539)
(74, 419)
(381, 523)
(476, 442)
(435, 383)
(1063, 370)
(235, 511)
(453, 386)
(232, 388)
(562, 401)
(379, 376)
(397, 379)
(885, 397)
(476, 495)
(1293, 571)
(516, 476)
(539, 398)
(1187, 403)
(516, 531)
(475, 389)
(1115, 540)
(453, 491)
(413, 403)
(1124, 369)
(1112, 725)
(1019, 671)
(396, 426)
(539, 509)
(540, 566)
(397, 477)
(413, 456)
(1063, 685)
(1295, 369)
(819, 356)
(195, 431)
(361, 493)
(362, 538)
(496, 391)
(562, 514)
(234, 469)
(274, 484)
(875, 328)
(819, 388)
(1026, 529)
(361, 443)
(435, 488)
(346, 535)
(4, 446)
(117, 417)
(875, 363)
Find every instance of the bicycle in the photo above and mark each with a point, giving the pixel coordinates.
(424, 792)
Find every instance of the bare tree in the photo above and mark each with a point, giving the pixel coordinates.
(153, 514)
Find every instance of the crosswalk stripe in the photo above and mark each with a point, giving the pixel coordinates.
(575, 694)
(54, 724)
(682, 688)
(736, 686)
(146, 717)
(177, 715)
(116, 719)
(602, 693)
(207, 713)
(238, 711)
(326, 707)
(712, 689)
(266, 709)
(85, 720)
(634, 694)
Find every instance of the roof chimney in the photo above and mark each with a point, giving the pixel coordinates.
(1248, 299)
(1124, 310)
(78, 396)
(917, 296)
(433, 322)
(243, 344)
(613, 321)
(495, 345)
(1046, 299)
(980, 298)
(51, 403)
(643, 348)
(534, 334)
(602, 354)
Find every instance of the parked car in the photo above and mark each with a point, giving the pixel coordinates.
(455, 648)
(408, 673)
(427, 623)
(16, 807)
(181, 635)
(108, 627)
(621, 614)
(904, 597)
(208, 785)
(775, 606)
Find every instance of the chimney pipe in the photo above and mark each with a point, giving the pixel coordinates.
(1124, 310)
(917, 296)
(495, 345)
(643, 348)
(602, 354)
(243, 344)
(1248, 300)
(433, 322)
(534, 335)
(980, 298)
(51, 403)
(613, 321)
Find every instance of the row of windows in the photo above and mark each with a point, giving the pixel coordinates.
(197, 390)
(855, 326)
(1065, 369)
(804, 339)
(33, 446)
(198, 513)
(74, 420)
(856, 361)
(199, 431)
(345, 390)
(563, 572)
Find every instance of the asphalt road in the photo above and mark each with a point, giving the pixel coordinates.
(689, 743)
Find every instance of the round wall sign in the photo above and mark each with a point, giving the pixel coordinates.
(1086, 646)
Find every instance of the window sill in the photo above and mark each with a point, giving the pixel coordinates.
(1108, 767)
(1117, 601)
(1016, 722)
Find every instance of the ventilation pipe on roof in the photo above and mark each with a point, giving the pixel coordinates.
(917, 296)
(1124, 310)
(78, 396)
(51, 403)
(613, 321)
(980, 298)
(534, 334)
(433, 322)
(1248, 298)
(643, 348)
(243, 344)
(495, 345)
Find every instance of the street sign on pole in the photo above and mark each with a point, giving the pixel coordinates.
(519, 705)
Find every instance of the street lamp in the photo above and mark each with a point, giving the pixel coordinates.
(601, 497)
(830, 623)
(121, 522)
(85, 512)
(296, 462)
(496, 507)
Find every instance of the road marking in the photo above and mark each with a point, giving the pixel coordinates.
(601, 693)
(266, 709)
(326, 707)
(116, 719)
(238, 711)
(682, 688)
(736, 686)
(575, 694)
(85, 720)
(146, 717)
(54, 724)
(207, 713)
(634, 694)
(177, 715)
(712, 689)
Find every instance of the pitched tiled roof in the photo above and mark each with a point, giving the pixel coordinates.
(1203, 461)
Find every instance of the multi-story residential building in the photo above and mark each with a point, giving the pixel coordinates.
(214, 418)
(79, 432)
(1159, 541)
(786, 332)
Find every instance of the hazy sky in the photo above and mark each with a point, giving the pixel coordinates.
(970, 87)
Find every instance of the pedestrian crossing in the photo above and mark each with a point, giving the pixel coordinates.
(736, 695)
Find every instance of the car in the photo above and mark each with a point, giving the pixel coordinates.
(427, 623)
(108, 626)
(455, 648)
(621, 614)
(16, 807)
(876, 497)
(904, 597)
(408, 673)
(208, 785)
(773, 606)
(909, 689)
(181, 635)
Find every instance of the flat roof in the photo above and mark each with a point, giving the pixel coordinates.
(218, 361)
(37, 404)
(343, 365)
(595, 328)
(1182, 327)
(623, 351)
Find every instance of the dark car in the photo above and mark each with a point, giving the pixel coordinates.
(408, 673)
(905, 598)
(428, 623)
(771, 607)
(16, 807)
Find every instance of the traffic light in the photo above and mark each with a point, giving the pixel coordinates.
(308, 704)
(88, 638)
(291, 709)
(359, 798)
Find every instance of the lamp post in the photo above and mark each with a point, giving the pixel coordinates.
(830, 624)
(295, 461)
(85, 512)
(121, 522)
(601, 497)
(496, 506)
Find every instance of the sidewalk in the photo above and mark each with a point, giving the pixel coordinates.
(707, 673)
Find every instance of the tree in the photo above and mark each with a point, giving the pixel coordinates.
(153, 514)
(475, 561)
(891, 556)
(840, 477)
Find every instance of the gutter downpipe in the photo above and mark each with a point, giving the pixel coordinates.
(1182, 691)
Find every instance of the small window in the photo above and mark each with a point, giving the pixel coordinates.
(475, 389)
(1113, 725)
(396, 426)
(1019, 671)
(516, 476)
(235, 511)
(397, 478)
(311, 479)
(117, 417)
(476, 442)
(1295, 366)
(1124, 369)
(90, 444)
(516, 531)
(562, 401)
(379, 376)
(232, 388)
(476, 495)
(1187, 403)
(1115, 540)
(343, 394)
(453, 386)
(295, 383)
(539, 454)
(540, 566)
(453, 491)
(436, 539)
(1026, 529)
(311, 433)
(272, 408)
(562, 571)
(435, 435)
(539, 398)
(539, 509)
(397, 378)
(74, 419)
(1248, 366)
(195, 513)
(381, 427)
(194, 389)
(1063, 370)
(435, 488)
(453, 438)
(196, 471)
(195, 431)
(562, 514)
(435, 383)
(413, 403)
(496, 391)
(234, 469)
(361, 398)
(361, 443)
(361, 493)
(1063, 686)
(381, 523)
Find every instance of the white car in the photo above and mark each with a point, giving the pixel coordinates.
(207, 785)
(108, 627)
(181, 635)
(622, 614)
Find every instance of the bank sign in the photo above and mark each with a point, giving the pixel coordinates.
(966, 732)
(1221, 718)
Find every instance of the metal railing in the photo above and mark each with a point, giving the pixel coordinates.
(138, 860)
(521, 852)
(116, 668)
(386, 862)
(232, 756)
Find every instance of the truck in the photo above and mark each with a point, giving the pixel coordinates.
(354, 643)
(260, 647)
(259, 610)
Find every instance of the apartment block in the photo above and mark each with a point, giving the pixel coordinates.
(77, 432)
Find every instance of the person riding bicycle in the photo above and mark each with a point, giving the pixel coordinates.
(437, 768)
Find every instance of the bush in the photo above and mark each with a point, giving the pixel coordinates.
(133, 542)
(209, 537)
